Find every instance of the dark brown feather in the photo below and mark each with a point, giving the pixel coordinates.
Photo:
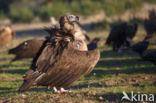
(27, 49)
(120, 33)
(60, 69)
(60, 60)
(66, 69)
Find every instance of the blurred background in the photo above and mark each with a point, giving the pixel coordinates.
(94, 14)
(27, 11)
(41, 10)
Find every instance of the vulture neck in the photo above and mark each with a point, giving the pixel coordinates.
(68, 28)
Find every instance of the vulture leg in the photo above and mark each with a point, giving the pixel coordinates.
(48, 87)
(122, 47)
(55, 90)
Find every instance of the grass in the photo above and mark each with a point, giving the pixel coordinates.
(114, 73)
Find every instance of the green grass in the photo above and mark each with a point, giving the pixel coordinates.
(114, 73)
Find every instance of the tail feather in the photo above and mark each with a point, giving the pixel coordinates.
(29, 79)
(26, 84)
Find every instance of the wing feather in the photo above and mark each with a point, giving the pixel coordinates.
(62, 69)
(68, 67)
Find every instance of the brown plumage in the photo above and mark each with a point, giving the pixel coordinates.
(68, 25)
(150, 24)
(121, 35)
(79, 34)
(58, 63)
(27, 49)
(6, 35)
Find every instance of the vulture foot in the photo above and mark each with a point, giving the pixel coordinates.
(55, 90)
(62, 90)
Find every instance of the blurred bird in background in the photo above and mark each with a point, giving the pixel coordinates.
(93, 44)
(27, 49)
(151, 57)
(121, 35)
(141, 47)
(6, 35)
(150, 24)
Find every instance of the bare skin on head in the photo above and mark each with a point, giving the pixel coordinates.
(80, 33)
(68, 25)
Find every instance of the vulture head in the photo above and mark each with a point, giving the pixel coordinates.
(67, 23)
(68, 19)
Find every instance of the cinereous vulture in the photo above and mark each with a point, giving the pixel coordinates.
(151, 57)
(6, 35)
(58, 63)
(121, 35)
(141, 47)
(150, 24)
(27, 49)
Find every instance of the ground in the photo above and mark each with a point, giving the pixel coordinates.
(114, 73)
